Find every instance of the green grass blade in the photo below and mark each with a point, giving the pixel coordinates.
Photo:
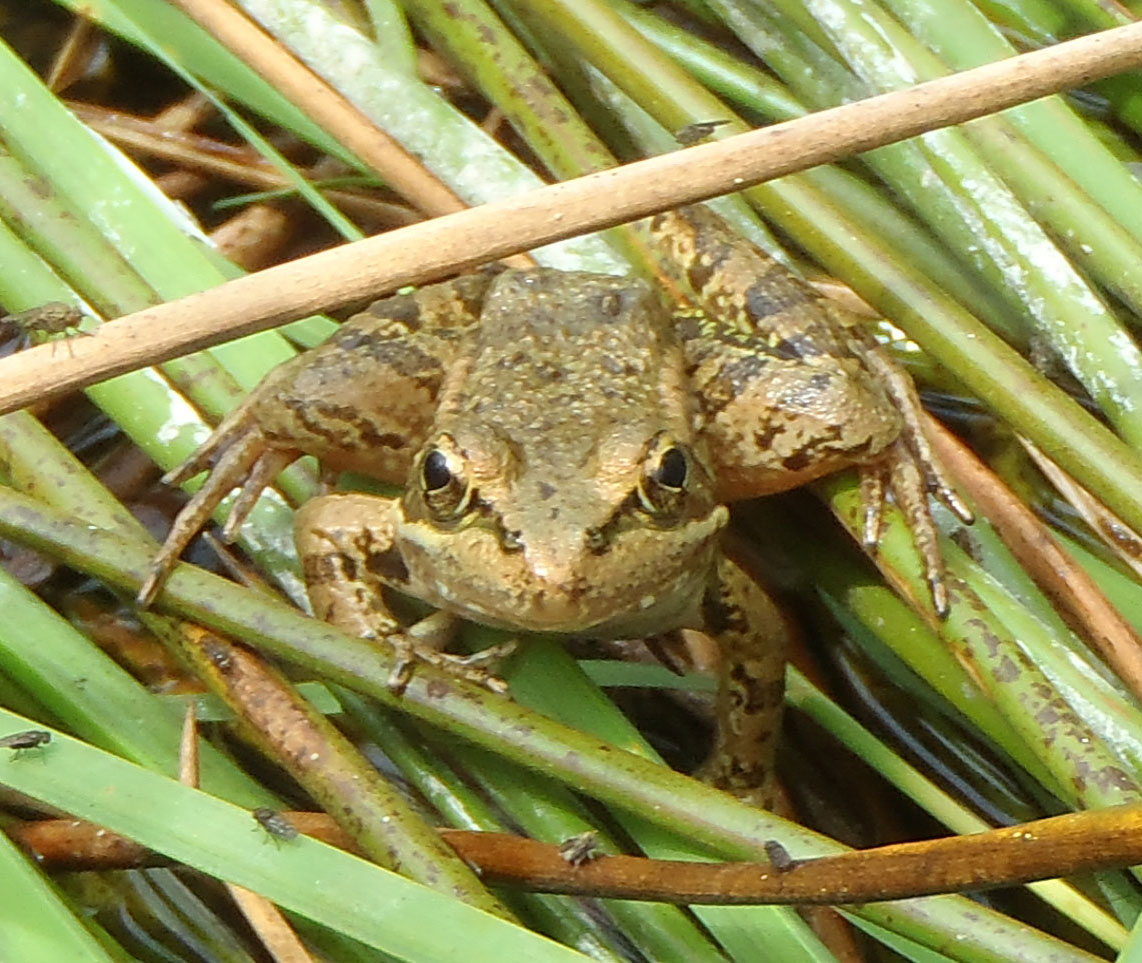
(1087, 337)
(92, 695)
(453, 147)
(150, 22)
(36, 926)
(319, 882)
(450, 790)
(1051, 124)
(578, 702)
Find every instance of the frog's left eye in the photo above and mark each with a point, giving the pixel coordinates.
(443, 480)
(665, 477)
(673, 469)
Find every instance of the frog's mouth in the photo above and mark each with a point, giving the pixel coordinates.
(575, 614)
(643, 584)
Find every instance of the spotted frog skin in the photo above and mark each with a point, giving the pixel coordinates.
(567, 447)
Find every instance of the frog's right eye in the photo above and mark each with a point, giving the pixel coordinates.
(443, 483)
(434, 473)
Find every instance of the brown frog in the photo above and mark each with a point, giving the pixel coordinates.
(567, 447)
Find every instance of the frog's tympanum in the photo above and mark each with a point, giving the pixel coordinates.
(568, 446)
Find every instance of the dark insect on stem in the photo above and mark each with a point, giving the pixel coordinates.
(28, 739)
(275, 823)
(779, 856)
(580, 849)
(697, 132)
(46, 321)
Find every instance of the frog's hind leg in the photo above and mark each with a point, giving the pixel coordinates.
(912, 472)
(794, 388)
(751, 634)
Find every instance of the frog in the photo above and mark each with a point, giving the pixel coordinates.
(568, 445)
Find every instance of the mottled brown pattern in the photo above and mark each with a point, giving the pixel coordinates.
(751, 634)
(566, 445)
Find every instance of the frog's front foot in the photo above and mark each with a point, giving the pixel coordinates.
(348, 554)
(477, 668)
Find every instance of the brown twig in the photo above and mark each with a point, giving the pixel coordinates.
(72, 844)
(1119, 537)
(1044, 849)
(355, 273)
(74, 55)
(1077, 596)
(141, 136)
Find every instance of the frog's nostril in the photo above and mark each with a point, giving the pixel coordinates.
(511, 540)
(596, 541)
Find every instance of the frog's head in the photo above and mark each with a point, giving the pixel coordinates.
(606, 532)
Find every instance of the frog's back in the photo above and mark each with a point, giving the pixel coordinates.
(567, 356)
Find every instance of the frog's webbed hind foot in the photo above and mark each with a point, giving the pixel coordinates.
(897, 470)
(910, 470)
(237, 455)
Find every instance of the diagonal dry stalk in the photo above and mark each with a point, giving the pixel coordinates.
(355, 273)
(326, 106)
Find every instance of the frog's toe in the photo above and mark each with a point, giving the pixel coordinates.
(913, 439)
(477, 668)
(934, 480)
(909, 480)
(913, 473)
(229, 434)
(873, 479)
(403, 664)
(937, 483)
(245, 461)
(266, 468)
(156, 575)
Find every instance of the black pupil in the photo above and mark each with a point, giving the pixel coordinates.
(672, 469)
(435, 471)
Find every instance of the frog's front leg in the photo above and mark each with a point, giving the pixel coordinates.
(348, 555)
(751, 633)
(791, 388)
(361, 401)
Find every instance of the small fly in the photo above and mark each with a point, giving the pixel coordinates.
(779, 856)
(580, 849)
(47, 321)
(697, 132)
(275, 824)
(28, 739)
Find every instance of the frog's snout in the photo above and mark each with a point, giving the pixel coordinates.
(565, 580)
